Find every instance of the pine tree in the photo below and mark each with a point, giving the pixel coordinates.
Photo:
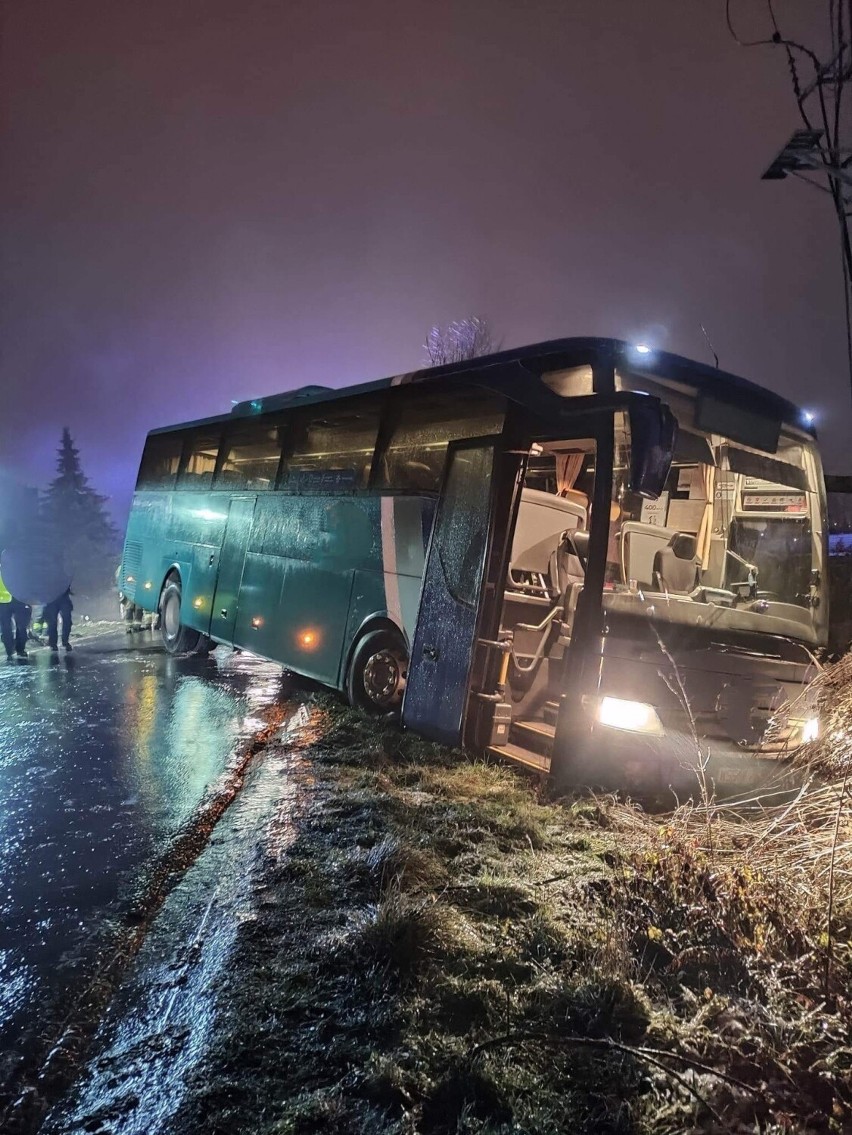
(77, 519)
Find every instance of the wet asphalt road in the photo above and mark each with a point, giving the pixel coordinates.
(104, 754)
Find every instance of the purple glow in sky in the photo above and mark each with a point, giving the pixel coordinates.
(207, 201)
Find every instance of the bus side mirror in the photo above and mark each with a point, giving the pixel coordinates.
(653, 431)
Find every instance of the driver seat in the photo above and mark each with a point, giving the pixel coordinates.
(677, 567)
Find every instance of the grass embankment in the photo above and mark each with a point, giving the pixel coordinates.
(441, 948)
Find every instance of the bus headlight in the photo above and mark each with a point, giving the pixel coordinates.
(810, 730)
(633, 716)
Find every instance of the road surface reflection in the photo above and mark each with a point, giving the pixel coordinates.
(104, 756)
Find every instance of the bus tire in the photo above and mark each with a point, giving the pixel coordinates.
(377, 672)
(205, 645)
(177, 639)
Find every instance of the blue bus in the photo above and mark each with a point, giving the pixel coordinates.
(601, 562)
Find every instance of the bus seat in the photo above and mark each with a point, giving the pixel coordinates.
(565, 578)
(542, 520)
(638, 545)
(568, 561)
(677, 567)
(530, 572)
(569, 607)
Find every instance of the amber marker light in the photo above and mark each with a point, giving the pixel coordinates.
(257, 621)
(308, 639)
(148, 585)
(198, 603)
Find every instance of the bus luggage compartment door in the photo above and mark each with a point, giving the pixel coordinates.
(232, 559)
(444, 639)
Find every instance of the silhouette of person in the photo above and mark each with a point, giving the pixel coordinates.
(59, 608)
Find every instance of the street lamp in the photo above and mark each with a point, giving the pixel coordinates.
(803, 153)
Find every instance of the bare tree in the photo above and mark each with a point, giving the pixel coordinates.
(462, 339)
(819, 154)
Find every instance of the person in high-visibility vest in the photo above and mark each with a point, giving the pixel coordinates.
(12, 611)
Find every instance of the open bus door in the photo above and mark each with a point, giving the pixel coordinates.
(482, 483)
(442, 653)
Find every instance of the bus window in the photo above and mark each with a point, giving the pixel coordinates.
(729, 540)
(251, 454)
(332, 448)
(414, 458)
(160, 461)
(199, 459)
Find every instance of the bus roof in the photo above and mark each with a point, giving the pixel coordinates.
(555, 354)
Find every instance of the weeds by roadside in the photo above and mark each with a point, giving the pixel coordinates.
(444, 949)
(732, 933)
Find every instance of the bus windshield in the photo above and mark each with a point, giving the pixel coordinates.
(734, 542)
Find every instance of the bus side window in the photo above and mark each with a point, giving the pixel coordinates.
(332, 447)
(462, 545)
(251, 454)
(160, 461)
(414, 458)
(199, 458)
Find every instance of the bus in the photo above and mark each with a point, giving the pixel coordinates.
(602, 562)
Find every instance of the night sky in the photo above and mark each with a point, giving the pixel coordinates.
(211, 200)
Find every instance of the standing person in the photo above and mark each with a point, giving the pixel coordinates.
(34, 568)
(61, 607)
(13, 611)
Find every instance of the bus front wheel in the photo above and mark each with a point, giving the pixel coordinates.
(377, 674)
(177, 639)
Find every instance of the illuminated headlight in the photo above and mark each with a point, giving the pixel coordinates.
(810, 730)
(634, 716)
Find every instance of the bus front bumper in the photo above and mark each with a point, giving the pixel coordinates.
(619, 745)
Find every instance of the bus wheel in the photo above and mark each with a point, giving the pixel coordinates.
(177, 639)
(378, 671)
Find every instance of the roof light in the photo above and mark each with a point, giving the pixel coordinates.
(809, 417)
(642, 349)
